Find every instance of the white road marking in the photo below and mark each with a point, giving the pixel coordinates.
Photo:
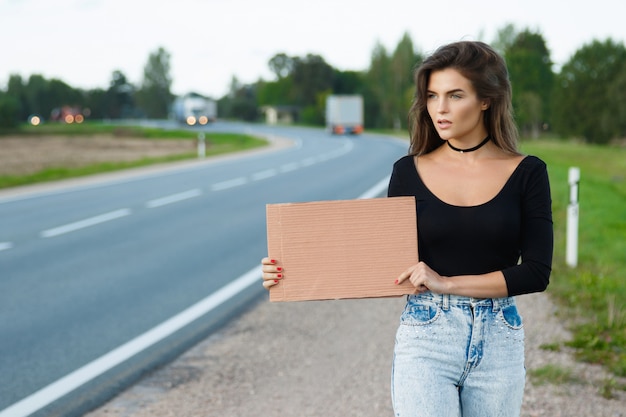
(264, 174)
(377, 189)
(174, 198)
(308, 162)
(70, 382)
(5, 245)
(292, 166)
(229, 184)
(71, 227)
(81, 376)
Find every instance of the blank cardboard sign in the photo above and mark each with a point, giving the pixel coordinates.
(343, 248)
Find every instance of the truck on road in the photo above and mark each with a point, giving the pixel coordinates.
(194, 109)
(344, 114)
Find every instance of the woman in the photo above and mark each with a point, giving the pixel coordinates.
(485, 235)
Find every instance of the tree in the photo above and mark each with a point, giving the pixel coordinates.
(379, 77)
(9, 110)
(41, 96)
(36, 96)
(585, 95)
(281, 65)
(155, 95)
(240, 102)
(620, 103)
(119, 97)
(274, 92)
(16, 89)
(95, 102)
(402, 64)
(311, 77)
(348, 82)
(532, 80)
(277, 92)
(61, 94)
(504, 38)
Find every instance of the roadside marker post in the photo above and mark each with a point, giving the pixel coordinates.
(571, 252)
(201, 146)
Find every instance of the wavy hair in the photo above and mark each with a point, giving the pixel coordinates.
(488, 74)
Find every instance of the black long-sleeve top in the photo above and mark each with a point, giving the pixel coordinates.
(512, 232)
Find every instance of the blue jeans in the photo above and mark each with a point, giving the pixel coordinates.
(458, 356)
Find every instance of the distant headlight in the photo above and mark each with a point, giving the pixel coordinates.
(203, 120)
(191, 120)
(35, 120)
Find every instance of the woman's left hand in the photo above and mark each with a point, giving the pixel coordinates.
(423, 279)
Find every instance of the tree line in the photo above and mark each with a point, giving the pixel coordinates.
(584, 99)
(121, 100)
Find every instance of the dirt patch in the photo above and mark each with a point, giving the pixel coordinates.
(21, 155)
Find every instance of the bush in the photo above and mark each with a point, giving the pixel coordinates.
(9, 111)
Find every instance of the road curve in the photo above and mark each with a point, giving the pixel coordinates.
(101, 281)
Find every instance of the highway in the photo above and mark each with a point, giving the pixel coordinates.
(102, 282)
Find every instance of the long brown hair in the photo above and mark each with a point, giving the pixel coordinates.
(489, 76)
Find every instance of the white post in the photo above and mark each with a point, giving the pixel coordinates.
(201, 146)
(571, 252)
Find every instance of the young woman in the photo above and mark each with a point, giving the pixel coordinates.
(485, 235)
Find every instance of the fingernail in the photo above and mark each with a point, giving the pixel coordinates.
(278, 268)
(273, 261)
(396, 282)
(275, 281)
(279, 275)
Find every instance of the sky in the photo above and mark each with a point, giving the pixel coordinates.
(82, 42)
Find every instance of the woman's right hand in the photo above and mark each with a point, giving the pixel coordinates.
(272, 273)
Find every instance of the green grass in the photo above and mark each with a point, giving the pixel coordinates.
(592, 296)
(216, 143)
(553, 374)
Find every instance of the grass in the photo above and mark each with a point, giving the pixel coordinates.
(98, 128)
(216, 143)
(553, 374)
(591, 296)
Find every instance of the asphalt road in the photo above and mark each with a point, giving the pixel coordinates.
(102, 281)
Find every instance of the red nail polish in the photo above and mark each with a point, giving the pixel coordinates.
(275, 281)
(396, 282)
(278, 268)
(279, 275)
(273, 261)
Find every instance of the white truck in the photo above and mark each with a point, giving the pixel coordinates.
(193, 109)
(344, 114)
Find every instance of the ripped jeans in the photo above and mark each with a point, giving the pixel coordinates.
(458, 356)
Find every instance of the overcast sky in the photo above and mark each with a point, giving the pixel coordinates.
(83, 41)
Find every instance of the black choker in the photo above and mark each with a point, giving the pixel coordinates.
(480, 145)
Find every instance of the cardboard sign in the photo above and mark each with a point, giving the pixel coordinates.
(342, 249)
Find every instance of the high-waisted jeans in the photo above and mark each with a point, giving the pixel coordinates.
(458, 356)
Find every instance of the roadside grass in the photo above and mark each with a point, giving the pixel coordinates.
(99, 128)
(216, 143)
(591, 296)
(553, 374)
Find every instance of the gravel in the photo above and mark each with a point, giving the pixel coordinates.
(333, 358)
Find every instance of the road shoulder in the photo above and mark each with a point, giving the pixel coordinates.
(333, 358)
